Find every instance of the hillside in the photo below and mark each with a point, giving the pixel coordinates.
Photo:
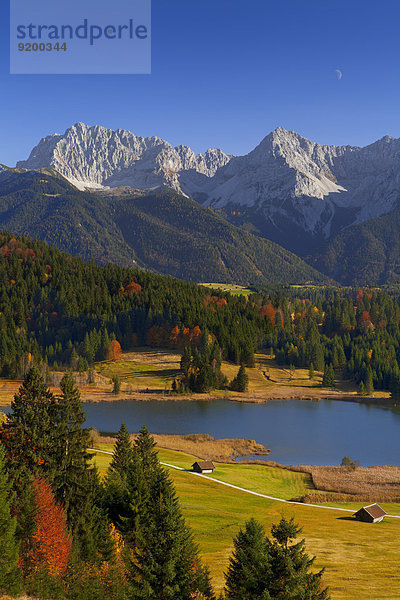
(216, 512)
(159, 230)
(365, 254)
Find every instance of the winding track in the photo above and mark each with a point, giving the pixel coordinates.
(235, 487)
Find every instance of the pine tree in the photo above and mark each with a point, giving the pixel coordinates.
(311, 372)
(290, 565)
(361, 389)
(239, 383)
(122, 454)
(116, 498)
(328, 379)
(164, 566)
(30, 433)
(145, 447)
(90, 525)
(165, 562)
(116, 385)
(369, 385)
(73, 460)
(249, 571)
(10, 574)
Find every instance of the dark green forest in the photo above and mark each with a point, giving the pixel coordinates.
(159, 230)
(368, 253)
(63, 312)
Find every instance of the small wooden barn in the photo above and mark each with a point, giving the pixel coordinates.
(203, 466)
(372, 513)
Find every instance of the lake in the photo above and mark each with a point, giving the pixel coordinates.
(297, 431)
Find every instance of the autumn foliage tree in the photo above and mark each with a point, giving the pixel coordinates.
(51, 547)
(114, 350)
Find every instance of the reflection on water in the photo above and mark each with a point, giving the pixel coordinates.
(296, 431)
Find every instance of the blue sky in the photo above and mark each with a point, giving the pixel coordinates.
(224, 74)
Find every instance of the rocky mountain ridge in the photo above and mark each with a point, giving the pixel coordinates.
(288, 188)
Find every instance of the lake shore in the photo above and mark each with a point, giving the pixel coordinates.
(200, 445)
(102, 393)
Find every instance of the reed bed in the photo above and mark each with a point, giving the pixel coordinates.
(367, 481)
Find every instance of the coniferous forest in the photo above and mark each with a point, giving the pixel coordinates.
(66, 534)
(62, 312)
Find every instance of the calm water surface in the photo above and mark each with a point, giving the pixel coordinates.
(296, 431)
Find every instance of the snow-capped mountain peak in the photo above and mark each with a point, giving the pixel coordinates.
(286, 181)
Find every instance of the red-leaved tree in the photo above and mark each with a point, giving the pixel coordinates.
(114, 350)
(51, 544)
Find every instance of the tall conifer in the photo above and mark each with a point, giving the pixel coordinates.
(73, 460)
(249, 570)
(165, 563)
(10, 575)
(291, 566)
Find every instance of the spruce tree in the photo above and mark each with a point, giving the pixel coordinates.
(145, 447)
(10, 574)
(30, 433)
(116, 385)
(311, 372)
(328, 379)
(239, 383)
(116, 497)
(122, 454)
(361, 389)
(165, 563)
(249, 571)
(164, 566)
(73, 460)
(369, 385)
(290, 565)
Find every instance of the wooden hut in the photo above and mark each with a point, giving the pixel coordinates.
(372, 513)
(203, 466)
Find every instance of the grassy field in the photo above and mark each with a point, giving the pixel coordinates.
(152, 371)
(235, 290)
(361, 560)
(151, 368)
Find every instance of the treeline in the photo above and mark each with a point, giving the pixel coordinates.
(67, 313)
(354, 331)
(65, 534)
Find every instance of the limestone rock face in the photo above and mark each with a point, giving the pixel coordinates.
(287, 180)
(96, 156)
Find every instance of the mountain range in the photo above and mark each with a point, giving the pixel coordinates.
(160, 230)
(334, 206)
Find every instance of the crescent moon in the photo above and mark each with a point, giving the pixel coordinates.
(339, 73)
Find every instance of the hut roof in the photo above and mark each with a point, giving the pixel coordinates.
(205, 465)
(374, 510)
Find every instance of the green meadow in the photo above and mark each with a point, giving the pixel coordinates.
(361, 560)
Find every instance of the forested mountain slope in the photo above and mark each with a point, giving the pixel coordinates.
(365, 254)
(159, 230)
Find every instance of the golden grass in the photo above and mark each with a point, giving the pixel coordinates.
(378, 483)
(361, 559)
(148, 373)
(206, 447)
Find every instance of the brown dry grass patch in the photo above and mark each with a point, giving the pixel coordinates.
(343, 484)
(201, 445)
